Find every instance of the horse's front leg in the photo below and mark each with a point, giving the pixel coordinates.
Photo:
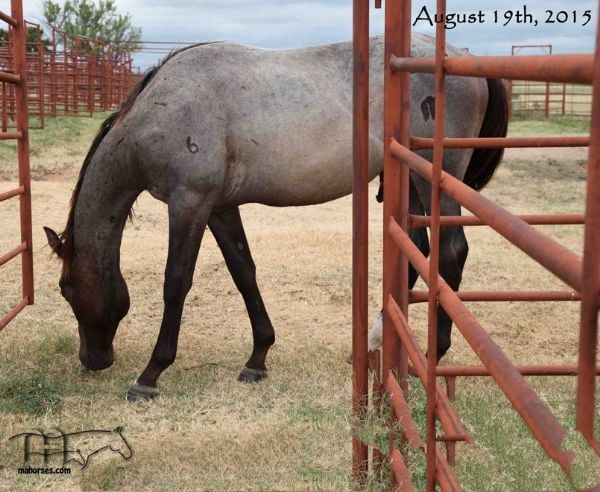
(188, 217)
(227, 227)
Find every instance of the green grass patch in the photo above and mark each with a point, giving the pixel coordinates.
(63, 139)
(539, 127)
(314, 414)
(321, 478)
(36, 394)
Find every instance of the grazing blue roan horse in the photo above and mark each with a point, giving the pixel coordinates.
(218, 125)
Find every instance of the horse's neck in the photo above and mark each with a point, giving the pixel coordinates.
(108, 191)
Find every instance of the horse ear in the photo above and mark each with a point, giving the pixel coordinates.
(119, 429)
(54, 241)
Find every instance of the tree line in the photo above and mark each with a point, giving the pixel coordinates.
(84, 18)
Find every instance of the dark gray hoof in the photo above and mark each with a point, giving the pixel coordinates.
(249, 375)
(141, 392)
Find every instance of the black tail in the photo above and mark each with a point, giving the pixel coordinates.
(484, 162)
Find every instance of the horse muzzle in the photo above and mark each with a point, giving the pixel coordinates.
(96, 361)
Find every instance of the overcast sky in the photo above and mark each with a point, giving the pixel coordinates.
(296, 23)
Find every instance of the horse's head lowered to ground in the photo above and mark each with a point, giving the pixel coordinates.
(99, 300)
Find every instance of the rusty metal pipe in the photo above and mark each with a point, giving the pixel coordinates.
(444, 474)
(576, 69)
(562, 262)
(590, 288)
(13, 312)
(417, 221)
(13, 253)
(20, 36)
(360, 274)
(544, 426)
(453, 428)
(10, 135)
(11, 193)
(10, 77)
(403, 414)
(8, 19)
(503, 296)
(400, 473)
(418, 143)
(529, 370)
(434, 246)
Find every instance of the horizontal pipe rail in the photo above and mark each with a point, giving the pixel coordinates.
(444, 474)
(12, 193)
(403, 414)
(543, 424)
(12, 253)
(502, 296)
(400, 473)
(419, 143)
(417, 221)
(453, 428)
(575, 69)
(530, 370)
(8, 19)
(559, 260)
(13, 312)
(11, 135)
(10, 77)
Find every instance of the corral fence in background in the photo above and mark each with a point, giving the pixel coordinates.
(67, 75)
(401, 354)
(17, 80)
(542, 98)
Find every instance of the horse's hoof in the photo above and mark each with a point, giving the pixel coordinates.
(141, 392)
(249, 375)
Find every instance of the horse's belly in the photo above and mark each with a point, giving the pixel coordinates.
(300, 181)
(315, 173)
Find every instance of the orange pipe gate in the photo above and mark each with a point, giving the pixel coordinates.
(23, 191)
(582, 274)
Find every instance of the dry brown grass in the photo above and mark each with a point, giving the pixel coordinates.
(291, 431)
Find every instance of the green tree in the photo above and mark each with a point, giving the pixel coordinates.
(32, 38)
(93, 20)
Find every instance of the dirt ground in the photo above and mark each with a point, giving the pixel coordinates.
(291, 431)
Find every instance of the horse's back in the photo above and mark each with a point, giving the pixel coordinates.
(272, 126)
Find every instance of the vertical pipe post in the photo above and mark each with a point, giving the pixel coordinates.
(4, 108)
(396, 181)
(360, 191)
(41, 53)
(547, 101)
(20, 40)
(396, 187)
(53, 83)
(588, 334)
(434, 255)
(75, 60)
(451, 445)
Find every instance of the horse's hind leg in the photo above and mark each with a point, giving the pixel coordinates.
(453, 243)
(188, 217)
(453, 255)
(226, 225)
